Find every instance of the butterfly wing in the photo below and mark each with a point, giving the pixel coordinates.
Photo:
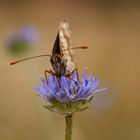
(65, 42)
(56, 47)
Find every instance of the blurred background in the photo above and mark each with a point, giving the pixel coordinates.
(111, 30)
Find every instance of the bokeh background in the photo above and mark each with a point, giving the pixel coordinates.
(111, 30)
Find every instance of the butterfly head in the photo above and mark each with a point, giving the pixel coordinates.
(58, 64)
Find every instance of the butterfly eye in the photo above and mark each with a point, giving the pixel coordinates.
(58, 59)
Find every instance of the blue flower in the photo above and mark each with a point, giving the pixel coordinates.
(68, 95)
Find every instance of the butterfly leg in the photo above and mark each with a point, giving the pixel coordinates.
(76, 73)
(58, 81)
(52, 73)
(48, 71)
(69, 76)
(75, 82)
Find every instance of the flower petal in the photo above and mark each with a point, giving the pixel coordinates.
(99, 90)
(42, 93)
(65, 85)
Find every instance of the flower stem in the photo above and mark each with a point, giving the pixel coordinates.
(68, 133)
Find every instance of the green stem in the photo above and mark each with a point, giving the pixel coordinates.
(68, 135)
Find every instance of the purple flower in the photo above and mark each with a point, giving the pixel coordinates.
(28, 34)
(20, 41)
(68, 95)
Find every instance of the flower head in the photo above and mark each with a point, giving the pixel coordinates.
(29, 34)
(68, 95)
(21, 40)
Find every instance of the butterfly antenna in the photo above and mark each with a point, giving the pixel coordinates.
(80, 47)
(15, 62)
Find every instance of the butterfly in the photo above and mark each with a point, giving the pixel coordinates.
(62, 57)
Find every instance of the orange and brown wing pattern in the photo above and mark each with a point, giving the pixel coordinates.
(65, 43)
